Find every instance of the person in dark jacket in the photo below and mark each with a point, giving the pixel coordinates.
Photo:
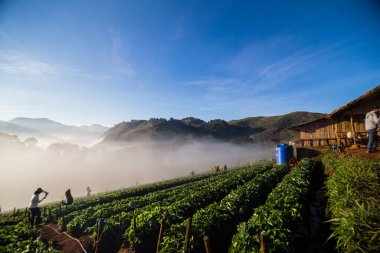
(69, 198)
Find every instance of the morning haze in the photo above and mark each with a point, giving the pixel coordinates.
(130, 153)
(111, 168)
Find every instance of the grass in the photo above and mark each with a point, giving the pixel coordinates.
(353, 192)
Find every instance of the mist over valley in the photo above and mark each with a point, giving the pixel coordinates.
(128, 154)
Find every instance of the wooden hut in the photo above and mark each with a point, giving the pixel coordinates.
(343, 126)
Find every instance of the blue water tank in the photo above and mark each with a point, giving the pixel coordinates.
(283, 154)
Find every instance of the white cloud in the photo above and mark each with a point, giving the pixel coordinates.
(19, 63)
(277, 61)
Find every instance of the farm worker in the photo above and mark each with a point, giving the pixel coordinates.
(33, 206)
(88, 189)
(69, 198)
(372, 124)
(224, 167)
(293, 161)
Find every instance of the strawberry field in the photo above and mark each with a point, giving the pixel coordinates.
(256, 208)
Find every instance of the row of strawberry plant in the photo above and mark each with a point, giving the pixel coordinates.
(114, 226)
(20, 237)
(353, 192)
(282, 218)
(219, 220)
(85, 202)
(142, 235)
(82, 221)
(16, 235)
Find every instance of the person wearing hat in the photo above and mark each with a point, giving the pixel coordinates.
(372, 124)
(33, 206)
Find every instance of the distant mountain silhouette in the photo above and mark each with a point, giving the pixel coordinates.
(253, 129)
(47, 131)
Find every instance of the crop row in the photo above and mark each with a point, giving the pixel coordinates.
(219, 220)
(282, 218)
(19, 237)
(83, 203)
(175, 199)
(142, 235)
(79, 221)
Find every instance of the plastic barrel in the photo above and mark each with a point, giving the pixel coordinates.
(282, 154)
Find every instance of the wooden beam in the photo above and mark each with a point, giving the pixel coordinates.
(353, 128)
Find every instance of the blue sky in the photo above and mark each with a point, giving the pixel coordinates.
(82, 62)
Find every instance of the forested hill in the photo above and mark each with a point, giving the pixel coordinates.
(253, 129)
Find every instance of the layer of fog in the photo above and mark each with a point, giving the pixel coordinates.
(24, 169)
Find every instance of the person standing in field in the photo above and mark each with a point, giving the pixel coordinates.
(69, 198)
(372, 124)
(33, 206)
(88, 189)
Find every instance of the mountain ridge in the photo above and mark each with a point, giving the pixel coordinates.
(48, 131)
(256, 129)
(246, 130)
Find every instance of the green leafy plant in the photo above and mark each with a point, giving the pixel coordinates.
(281, 218)
(353, 192)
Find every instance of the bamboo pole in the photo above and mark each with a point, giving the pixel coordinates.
(187, 238)
(206, 241)
(263, 245)
(160, 234)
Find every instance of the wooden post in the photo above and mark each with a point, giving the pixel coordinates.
(134, 229)
(187, 237)
(119, 234)
(63, 224)
(95, 244)
(355, 146)
(100, 230)
(160, 234)
(14, 211)
(63, 215)
(206, 241)
(49, 216)
(263, 244)
(96, 247)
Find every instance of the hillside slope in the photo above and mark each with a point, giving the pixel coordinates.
(48, 131)
(253, 129)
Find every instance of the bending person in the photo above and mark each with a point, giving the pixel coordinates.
(33, 206)
(69, 198)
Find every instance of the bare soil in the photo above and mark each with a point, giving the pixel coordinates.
(65, 242)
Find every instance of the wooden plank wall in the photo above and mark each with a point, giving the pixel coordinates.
(332, 128)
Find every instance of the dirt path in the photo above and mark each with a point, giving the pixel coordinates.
(64, 241)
